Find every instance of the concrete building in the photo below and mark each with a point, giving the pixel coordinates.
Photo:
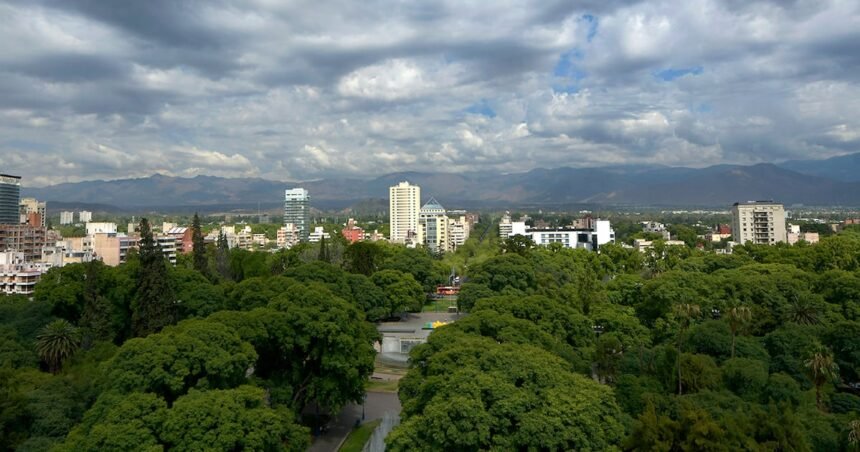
(297, 210)
(433, 227)
(794, 235)
(653, 227)
(569, 237)
(318, 235)
(458, 231)
(67, 217)
(85, 216)
(10, 195)
(758, 222)
(288, 236)
(33, 212)
(101, 228)
(505, 226)
(23, 238)
(17, 275)
(404, 204)
(351, 232)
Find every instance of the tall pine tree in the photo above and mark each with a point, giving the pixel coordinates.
(198, 246)
(96, 317)
(154, 306)
(222, 256)
(323, 256)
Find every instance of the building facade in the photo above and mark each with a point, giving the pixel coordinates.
(22, 238)
(351, 232)
(591, 239)
(297, 211)
(67, 217)
(10, 195)
(17, 276)
(85, 216)
(758, 222)
(433, 227)
(288, 236)
(33, 212)
(404, 204)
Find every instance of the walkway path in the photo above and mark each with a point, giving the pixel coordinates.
(377, 404)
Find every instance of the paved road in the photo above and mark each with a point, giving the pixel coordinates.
(378, 403)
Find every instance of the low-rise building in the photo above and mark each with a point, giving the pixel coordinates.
(351, 232)
(569, 237)
(17, 275)
(794, 235)
(288, 236)
(318, 235)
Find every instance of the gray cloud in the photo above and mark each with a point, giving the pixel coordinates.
(301, 90)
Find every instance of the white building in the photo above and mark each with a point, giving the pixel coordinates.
(288, 236)
(404, 204)
(101, 228)
(458, 231)
(85, 216)
(505, 225)
(653, 227)
(758, 222)
(17, 277)
(433, 227)
(318, 235)
(67, 217)
(569, 237)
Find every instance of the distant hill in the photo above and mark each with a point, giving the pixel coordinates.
(719, 185)
(844, 168)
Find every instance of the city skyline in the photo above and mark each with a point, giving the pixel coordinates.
(285, 92)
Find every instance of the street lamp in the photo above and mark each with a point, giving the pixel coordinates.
(597, 329)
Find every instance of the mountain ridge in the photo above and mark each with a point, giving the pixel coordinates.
(716, 185)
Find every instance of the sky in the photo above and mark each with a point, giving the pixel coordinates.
(301, 90)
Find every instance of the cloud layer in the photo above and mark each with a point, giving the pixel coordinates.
(300, 90)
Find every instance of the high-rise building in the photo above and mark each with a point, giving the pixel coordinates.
(759, 222)
(433, 224)
(85, 216)
(10, 194)
(33, 212)
(67, 217)
(297, 210)
(404, 204)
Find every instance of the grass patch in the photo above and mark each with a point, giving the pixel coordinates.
(383, 385)
(359, 436)
(439, 305)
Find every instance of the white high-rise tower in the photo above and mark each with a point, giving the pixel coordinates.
(404, 202)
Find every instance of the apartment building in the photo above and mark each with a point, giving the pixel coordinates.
(404, 205)
(758, 222)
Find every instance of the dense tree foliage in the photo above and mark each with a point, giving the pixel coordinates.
(558, 349)
(692, 351)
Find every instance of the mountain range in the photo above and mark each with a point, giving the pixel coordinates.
(834, 181)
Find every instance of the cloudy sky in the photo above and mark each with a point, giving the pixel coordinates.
(297, 90)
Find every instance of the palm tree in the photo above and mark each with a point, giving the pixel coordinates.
(854, 433)
(57, 341)
(738, 317)
(802, 312)
(686, 312)
(822, 369)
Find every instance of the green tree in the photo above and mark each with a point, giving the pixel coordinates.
(738, 317)
(323, 256)
(362, 257)
(57, 342)
(95, 320)
(517, 244)
(194, 353)
(854, 433)
(400, 290)
(222, 256)
(154, 306)
(201, 263)
(822, 369)
(685, 312)
(231, 419)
